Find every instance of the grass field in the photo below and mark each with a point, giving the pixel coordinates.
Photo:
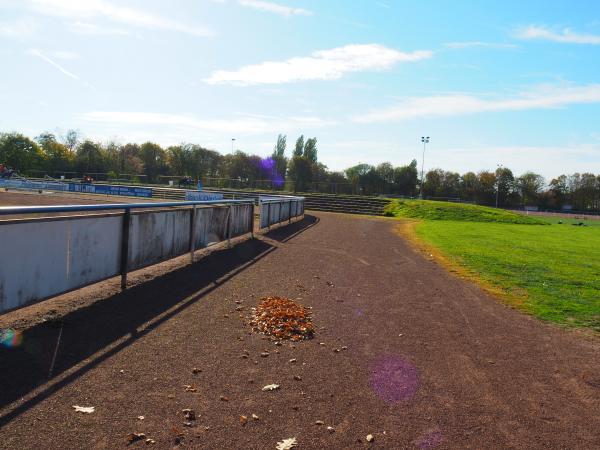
(551, 271)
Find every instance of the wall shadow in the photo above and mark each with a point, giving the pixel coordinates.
(288, 232)
(89, 330)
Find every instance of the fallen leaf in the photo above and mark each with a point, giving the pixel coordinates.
(243, 420)
(84, 409)
(224, 399)
(270, 387)
(319, 422)
(287, 444)
(255, 417)
(293, 360)
(195, 370)
(134, 437)
(190, 388)
(189, 414)
(297, 378)
(150, 441)
(370, 438)
(331, 429)
(141, 417)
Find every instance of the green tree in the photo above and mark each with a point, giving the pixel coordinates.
(89, 158)
(154, 159)
(20, 153)
(58, 158)
(310, 150)
(530, 185)
(280, 161)
(299, 149)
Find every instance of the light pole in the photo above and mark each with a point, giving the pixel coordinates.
(498, 183)
(425, 141)
(232, 141)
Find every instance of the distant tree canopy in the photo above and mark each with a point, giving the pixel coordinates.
(301, 171)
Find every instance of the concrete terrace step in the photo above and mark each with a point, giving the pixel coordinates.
(316, 202)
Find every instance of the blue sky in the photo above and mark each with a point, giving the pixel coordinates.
(515, 83)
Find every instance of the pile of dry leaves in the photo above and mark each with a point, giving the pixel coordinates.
(282, 318)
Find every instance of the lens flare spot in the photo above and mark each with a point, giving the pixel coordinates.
(10, 338)
(394, 378)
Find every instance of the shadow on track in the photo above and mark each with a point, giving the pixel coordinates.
(88, 331)
(288, 232)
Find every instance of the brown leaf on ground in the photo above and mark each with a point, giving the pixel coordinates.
(282, 318)
(134, 437)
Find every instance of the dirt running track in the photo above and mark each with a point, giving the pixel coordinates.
(431, 362)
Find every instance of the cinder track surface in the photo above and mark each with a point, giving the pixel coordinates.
(431, 361)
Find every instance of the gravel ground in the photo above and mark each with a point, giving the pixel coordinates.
(403, 351)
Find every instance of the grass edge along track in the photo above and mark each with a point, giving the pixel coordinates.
(544, 268)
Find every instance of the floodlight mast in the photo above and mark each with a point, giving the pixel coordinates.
(425, 141)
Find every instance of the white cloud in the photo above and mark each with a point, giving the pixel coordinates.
(39, 54)
(89, 9)
(564, 36)
(540, 97)
(243, 125)
(477, 44)
(20, 28)
(64, 54)
(91, 29)
(275, 8)
(321, 65)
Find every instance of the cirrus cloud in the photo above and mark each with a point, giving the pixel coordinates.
(539, 97)
(275, 8)
(565, 36)
(89, 9)
(330, 64)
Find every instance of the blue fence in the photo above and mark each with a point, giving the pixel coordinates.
(108, 189)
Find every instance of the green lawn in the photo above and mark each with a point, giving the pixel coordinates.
(431, 210)
(551, 271)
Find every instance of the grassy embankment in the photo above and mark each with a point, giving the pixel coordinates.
(547, 268)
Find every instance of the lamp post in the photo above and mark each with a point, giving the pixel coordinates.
(232, 141)
(425, 141)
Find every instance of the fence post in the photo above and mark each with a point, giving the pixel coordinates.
(290, 212)
(192, 233)
(280, 210)
(229, 221)
(125, 247)
(252, 219)
(269, 216)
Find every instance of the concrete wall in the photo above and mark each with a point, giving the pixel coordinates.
(45, 257)
(41, 257)
(273, 212)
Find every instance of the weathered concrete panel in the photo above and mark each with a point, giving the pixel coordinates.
(211, 226)
(51, 257)
(272, 213)
(158, 236)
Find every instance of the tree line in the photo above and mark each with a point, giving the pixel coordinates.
(73, 156)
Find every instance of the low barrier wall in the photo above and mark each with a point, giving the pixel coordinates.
(44, 257)
(274, 210)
